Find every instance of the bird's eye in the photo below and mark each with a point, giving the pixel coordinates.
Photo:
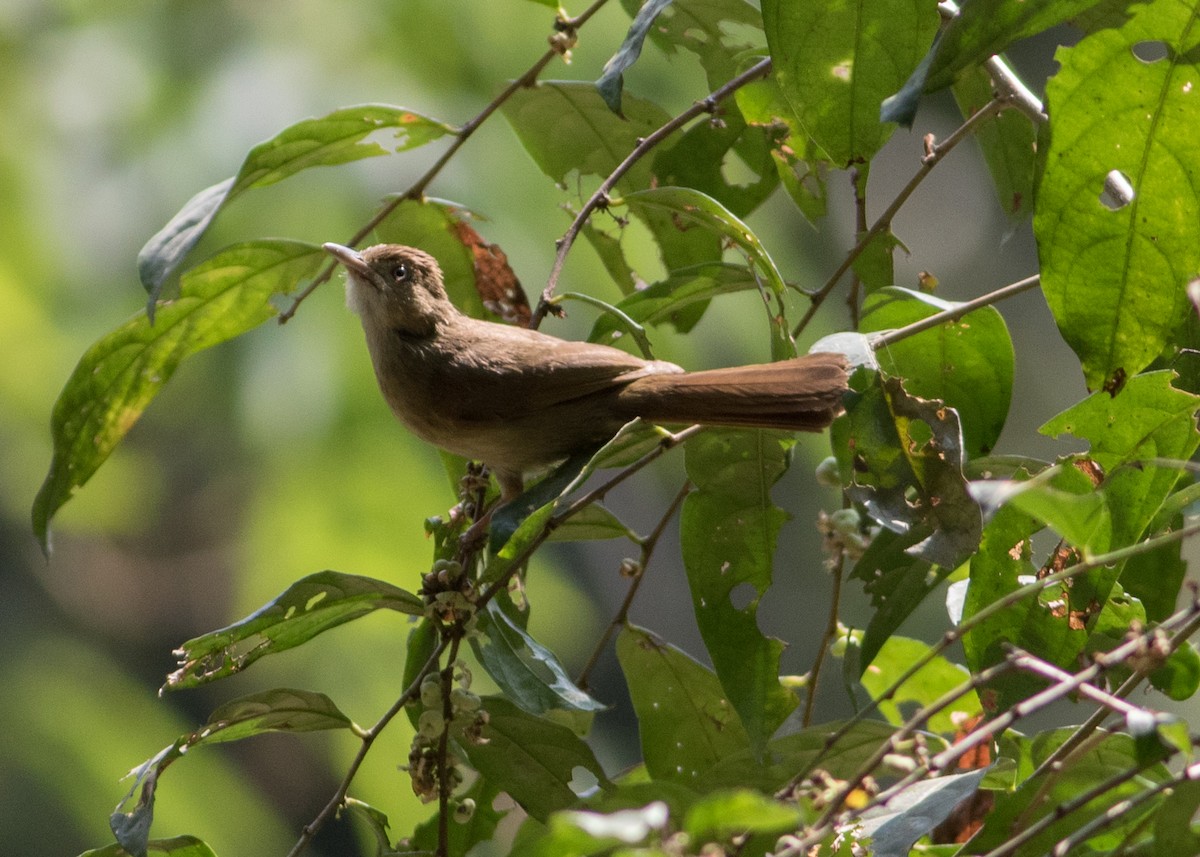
(400, 272)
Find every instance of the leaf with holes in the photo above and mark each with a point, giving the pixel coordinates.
(836, 61)
(890, 443)
(1115, 271)
(612, 79)
(728, 529)
(721, 33)
(120, 375)
(310, 606)
(967, 364)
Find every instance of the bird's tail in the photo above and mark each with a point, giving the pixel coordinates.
(801, 394)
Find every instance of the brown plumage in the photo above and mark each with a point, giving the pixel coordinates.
(517, 399)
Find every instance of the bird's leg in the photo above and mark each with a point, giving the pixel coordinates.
(511, 486)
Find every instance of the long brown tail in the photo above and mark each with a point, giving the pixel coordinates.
(802, 394)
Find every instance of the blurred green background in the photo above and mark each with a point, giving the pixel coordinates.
(273, 457)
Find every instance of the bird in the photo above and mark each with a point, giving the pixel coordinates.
(518, 399)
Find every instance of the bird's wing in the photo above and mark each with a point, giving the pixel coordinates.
(512, 372)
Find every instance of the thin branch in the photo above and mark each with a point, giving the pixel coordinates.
(417, 189)
(413, 691)
(1188, 618)
(1061, 811)
(1023, 660)
(1017, 595)
(443, 749)
(648, 545)
(599, 198)
(1003, 77)
(891, 337)
(1056, 759)
(827, 639)
(598, 493)
(934, 153)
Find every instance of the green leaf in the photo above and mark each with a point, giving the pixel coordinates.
(1179, 677)
(1041, 624)
(692, 207)
(685, 287)
(530, 675)
(592, 523)
(176, 846)
(310, 606)
(1149, 420)
(728, 530)
(699, 158)
(932, 681)
(1062, 497)
(729, 813)
(531, 758)
(1174, 830)
(1116, 279)
(836, 61)
(376, 820)
(120, 375)
(612, 78)
(1155, 577)
(1008, 141)
(968, 364)
(890, 443)
(278, 710)
(338, 138)
(685, 721)
(566, 127)
(897, 583)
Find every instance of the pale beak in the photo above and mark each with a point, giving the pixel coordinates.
(351, 258)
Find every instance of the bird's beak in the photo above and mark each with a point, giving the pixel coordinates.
(351, 258)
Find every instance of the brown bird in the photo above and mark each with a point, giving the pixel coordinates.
(518, 399)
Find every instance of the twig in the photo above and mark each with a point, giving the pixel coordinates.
(1005, 79)
(598, 493)
(413, 691)
(934, 152)
(955, 634)
(1188, 618)
(600, 197)
(1056, 758)
(417, 190)
(1025, 661)
(1061, 811)
(443, 751)
(831, 631)
(882, 340)
(648, 545)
